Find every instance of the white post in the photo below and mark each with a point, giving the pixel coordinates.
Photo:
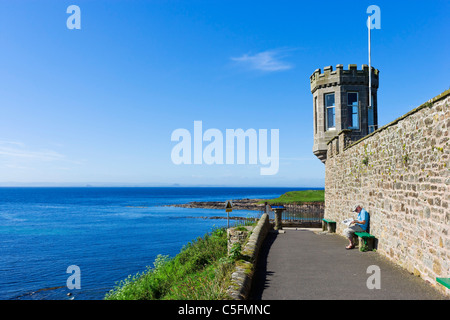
(370, 66)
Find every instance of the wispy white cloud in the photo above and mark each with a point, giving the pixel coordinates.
(14, 143)
(268, 61)
(13, 150)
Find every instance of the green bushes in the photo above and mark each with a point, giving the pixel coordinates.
(201, 271)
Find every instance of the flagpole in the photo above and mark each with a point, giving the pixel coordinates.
(370, 67)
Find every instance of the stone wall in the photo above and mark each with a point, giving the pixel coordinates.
(241, 279)
(237, 235)
(400, 175)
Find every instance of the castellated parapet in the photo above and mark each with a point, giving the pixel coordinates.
(338, 77)
(341, 102)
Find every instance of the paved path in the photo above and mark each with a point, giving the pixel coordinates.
(301, 264)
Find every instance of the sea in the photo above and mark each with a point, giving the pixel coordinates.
(78, 243)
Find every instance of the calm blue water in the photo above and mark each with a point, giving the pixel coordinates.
(109, 233)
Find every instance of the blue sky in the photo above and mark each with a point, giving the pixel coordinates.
(98, 105)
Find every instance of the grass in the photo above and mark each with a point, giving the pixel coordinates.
(201, 271)
(298, 197)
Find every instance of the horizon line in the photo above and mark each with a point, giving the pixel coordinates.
(143, 185)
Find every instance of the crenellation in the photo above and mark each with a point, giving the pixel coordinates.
(343, 76)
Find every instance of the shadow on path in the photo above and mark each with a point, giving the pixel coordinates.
(260, 278)
(304, 265)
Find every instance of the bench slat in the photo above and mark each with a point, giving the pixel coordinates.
(329, 221)
(364, 235)
(444, 281)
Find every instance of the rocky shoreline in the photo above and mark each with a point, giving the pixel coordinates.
(312, 209)
(241, 204)
(246, 204)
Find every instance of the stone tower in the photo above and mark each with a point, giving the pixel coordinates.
(340, 100)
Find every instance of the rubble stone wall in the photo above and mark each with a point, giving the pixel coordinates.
(401, 175)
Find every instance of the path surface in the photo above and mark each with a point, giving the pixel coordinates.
(302, 264)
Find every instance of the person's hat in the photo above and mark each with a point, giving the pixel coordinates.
(355, 207)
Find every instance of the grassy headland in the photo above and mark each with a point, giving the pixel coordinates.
(291, 197)
(298, 197)
(201, 271)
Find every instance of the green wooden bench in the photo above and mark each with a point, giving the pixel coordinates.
(365, 241)
(328, 225)
(444, 281)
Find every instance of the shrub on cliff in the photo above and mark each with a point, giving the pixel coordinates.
(200, 271)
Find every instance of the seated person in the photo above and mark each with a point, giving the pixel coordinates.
(360, 225)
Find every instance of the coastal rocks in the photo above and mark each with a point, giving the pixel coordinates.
(241, 204)
(249, 204)
(223, 217)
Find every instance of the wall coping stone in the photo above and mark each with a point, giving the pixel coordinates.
(241, 278)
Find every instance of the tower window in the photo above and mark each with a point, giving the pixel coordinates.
(315, 114)
(353, 110)
(330, 111)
